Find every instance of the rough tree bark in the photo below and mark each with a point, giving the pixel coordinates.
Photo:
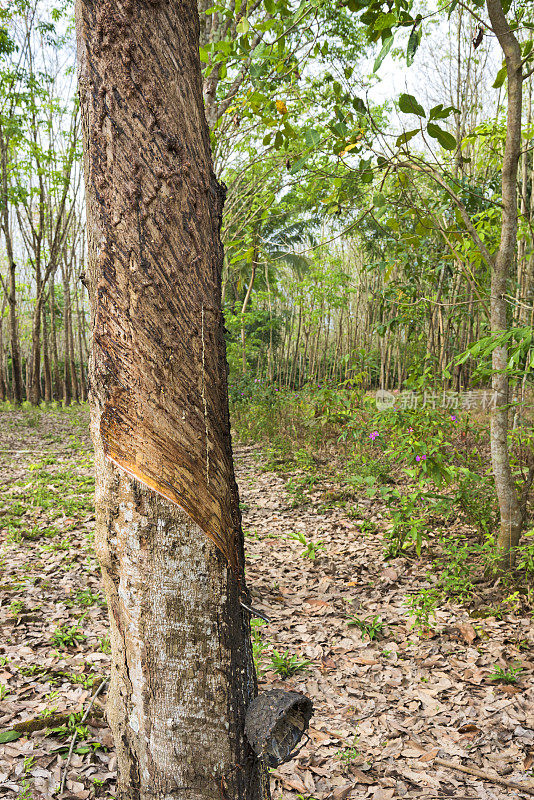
(168, 532)
(511, 516)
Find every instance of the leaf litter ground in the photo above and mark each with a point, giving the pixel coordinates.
(388, 711)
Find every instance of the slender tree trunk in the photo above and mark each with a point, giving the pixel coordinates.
(522, 262)
(80, 320)
(72, 354)
(28, 373)
(16, 364)
(67, 375)
(324, 363)
(84, 337)
(46, 359)
(287, 360)
(270, 351)
(304, 372)
(526, 306)
(297, 346)
(34, 388)
(243, 311)
(168, 528)
(56, 388)
(3, 376)
(510, 511)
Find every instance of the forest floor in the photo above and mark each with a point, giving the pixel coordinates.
(395, 707)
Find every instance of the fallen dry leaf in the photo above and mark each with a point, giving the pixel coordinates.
(467, 632)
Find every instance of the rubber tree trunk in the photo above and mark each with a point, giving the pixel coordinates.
(5, 224)
(3, 373)
(57, 391)
(243, 312)
(34, 387)
(168, 535)
(46, 358)
(80, 320)
(67, 363)
(16, 363)
(511, 516)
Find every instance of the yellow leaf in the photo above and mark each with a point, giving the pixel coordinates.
(281, 107)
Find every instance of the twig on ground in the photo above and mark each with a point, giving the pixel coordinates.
(478, 773)
(74, 736)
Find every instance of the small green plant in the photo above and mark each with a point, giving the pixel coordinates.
(26, 791)
(525, 556)
(68, 636)
(104, 644)
(29, 763)
(287, 665)
(87, 681)
(368, 527)
(85, 597)
(298, 486)
(422, 606)
(409, 523)
(31, 669)
(4, 660)
(372, 628)
(14, 535)
(456, 567)
(505, 675)
(348, 755)
(16, 607)
(514, 602)
(57, 545)
(72, 725)
(310, 548)
(3, 690)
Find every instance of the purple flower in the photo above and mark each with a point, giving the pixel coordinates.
(453, 417)
(418, 458)
(410, 430)
(373, 435)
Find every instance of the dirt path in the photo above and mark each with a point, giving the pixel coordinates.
(384, 708)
